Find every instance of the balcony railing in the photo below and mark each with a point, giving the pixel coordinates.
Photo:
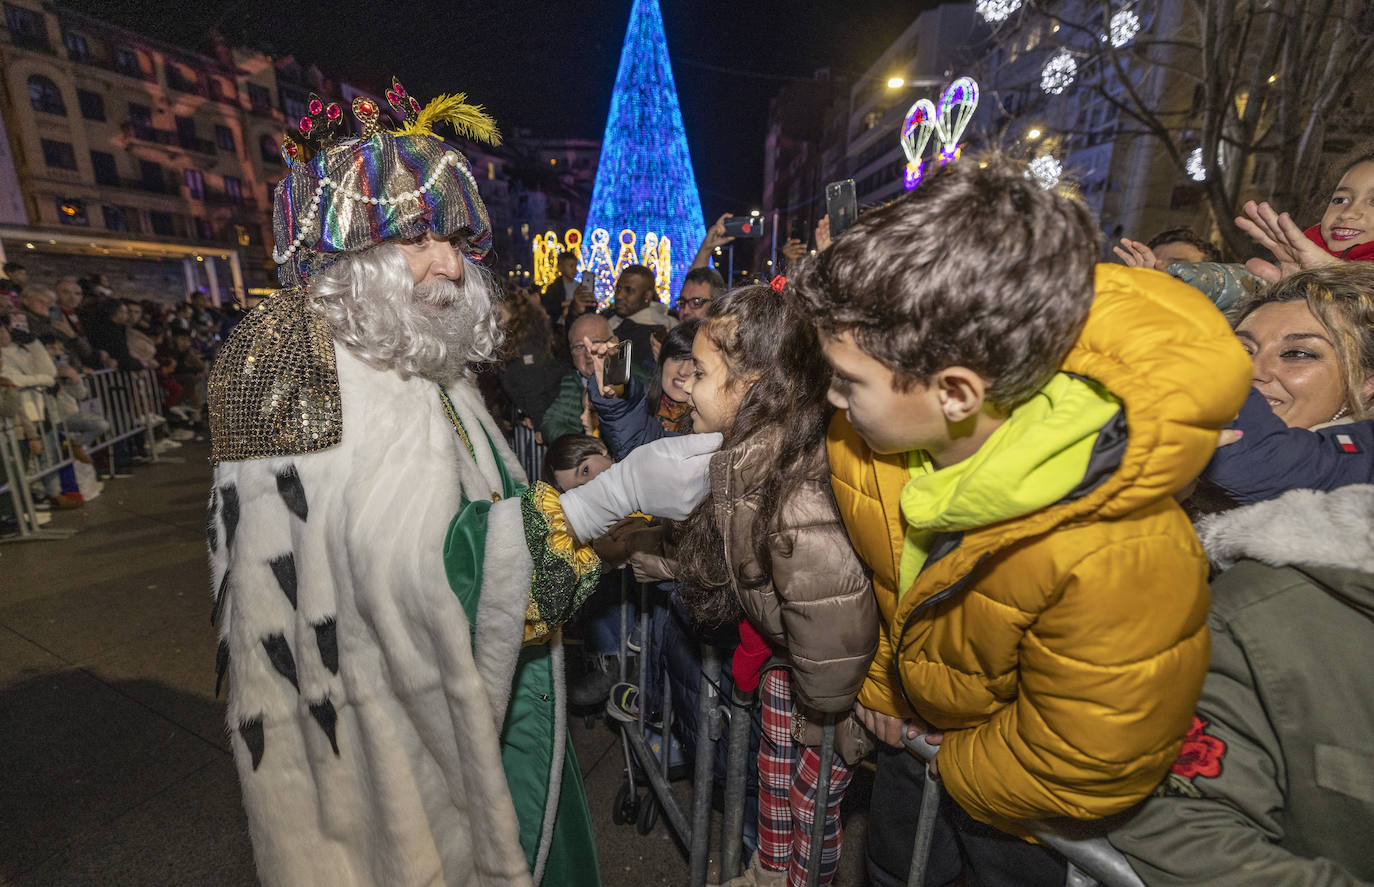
(224, 198)
(128, 69)
(166, 185)
(146, 132)
(193, 143)
(36, 42)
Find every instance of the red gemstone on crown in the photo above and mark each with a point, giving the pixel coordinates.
(316, 106)
(307, 124)
(392, 97)
(400, 90)
(333, 112)
(366, 107)
(414, 105)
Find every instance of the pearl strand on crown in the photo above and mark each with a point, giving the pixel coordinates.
(449, 159)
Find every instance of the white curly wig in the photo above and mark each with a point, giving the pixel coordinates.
(436, 331)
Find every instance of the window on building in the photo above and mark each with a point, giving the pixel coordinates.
(182, 79)
(163, 224)
(267, 146)
(140, 115)
(195, 183)
(128, 62)
(115, 217)
(78, 50)
(106, 172)
(259, 97)
(58, 154)
(72, 212)
(204, 230)
(150, 172)
(224, 137)
(233, 189)
(293, 106)
(186, 128)
(26, 27)
(92, 104)
(45, 96)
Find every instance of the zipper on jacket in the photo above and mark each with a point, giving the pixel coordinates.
(941, 596)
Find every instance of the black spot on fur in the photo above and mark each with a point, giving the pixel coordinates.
(279, 653)
(292, 493)
(218, 609)
(211, 534)
(284, 568)
(325, 716)
(229, 511)
(221, 664)
(251, 731)
(327, 639)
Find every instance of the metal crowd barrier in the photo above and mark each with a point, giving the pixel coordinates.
(127, 401)
(130, 402)
(1091, 860)
(529, 451)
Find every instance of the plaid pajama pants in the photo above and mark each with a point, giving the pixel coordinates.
(788, 777)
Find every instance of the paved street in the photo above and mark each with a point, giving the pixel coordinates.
(117, 769)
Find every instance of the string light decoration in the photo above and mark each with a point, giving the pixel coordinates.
(994, 11)
(1058, 73)
(1194, 166)
(1123, 27)
(1046, 171)
(645, 181)
(600, 267)
(946, 124)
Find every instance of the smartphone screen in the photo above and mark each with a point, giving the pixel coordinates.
(842, 205)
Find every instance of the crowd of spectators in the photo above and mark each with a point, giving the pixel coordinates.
(94, 384)
(1270, 784)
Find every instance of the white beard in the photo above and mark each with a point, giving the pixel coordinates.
(433, 331)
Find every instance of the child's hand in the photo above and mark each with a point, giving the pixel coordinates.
(1135, 254)
(889, 730)
(1278, 233)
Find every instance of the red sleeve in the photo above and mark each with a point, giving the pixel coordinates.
(753, 651)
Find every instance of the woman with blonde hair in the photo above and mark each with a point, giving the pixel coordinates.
(1307, 421)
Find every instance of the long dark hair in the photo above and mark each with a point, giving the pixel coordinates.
(765, 336)
(678, 344)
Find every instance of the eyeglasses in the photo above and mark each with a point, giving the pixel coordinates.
(696, 302)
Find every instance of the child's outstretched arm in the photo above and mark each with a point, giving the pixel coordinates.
(1270, 458)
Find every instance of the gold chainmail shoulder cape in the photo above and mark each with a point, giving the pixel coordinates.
(274, 388)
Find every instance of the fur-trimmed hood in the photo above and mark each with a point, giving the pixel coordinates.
(1328, 536)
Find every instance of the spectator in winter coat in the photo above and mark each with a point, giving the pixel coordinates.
(1016, 421)
(1273, 785)
(1307, 421)
(530, 375)
(635, 417)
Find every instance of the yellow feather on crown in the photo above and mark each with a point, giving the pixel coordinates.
(467, 120)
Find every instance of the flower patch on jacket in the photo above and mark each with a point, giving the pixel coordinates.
(1200, 756)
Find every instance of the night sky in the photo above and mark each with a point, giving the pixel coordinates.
(550, 67)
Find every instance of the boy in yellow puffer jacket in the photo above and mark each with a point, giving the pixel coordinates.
(1016, 420)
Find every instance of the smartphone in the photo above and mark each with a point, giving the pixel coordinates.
(842, 206)
(744, 226)
(59, 360)
(797, 231)
(617, 368)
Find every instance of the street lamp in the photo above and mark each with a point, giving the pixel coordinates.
(1034, 133)
(895, 82)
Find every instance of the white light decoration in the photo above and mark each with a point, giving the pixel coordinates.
(1046, 171)
(1124, 26)
(1058, 73)
(1196, 171)
(946, 124)
(996, 10)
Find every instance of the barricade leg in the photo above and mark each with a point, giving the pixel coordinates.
(925, 832)
(736, 783)
(708, 731)
(822, 808)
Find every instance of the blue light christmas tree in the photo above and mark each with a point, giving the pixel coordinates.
(645, 182)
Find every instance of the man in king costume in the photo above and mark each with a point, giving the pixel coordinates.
(388, 590)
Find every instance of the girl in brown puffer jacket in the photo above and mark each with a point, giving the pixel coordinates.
(768, 544)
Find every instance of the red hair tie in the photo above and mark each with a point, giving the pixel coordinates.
(779, 283)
